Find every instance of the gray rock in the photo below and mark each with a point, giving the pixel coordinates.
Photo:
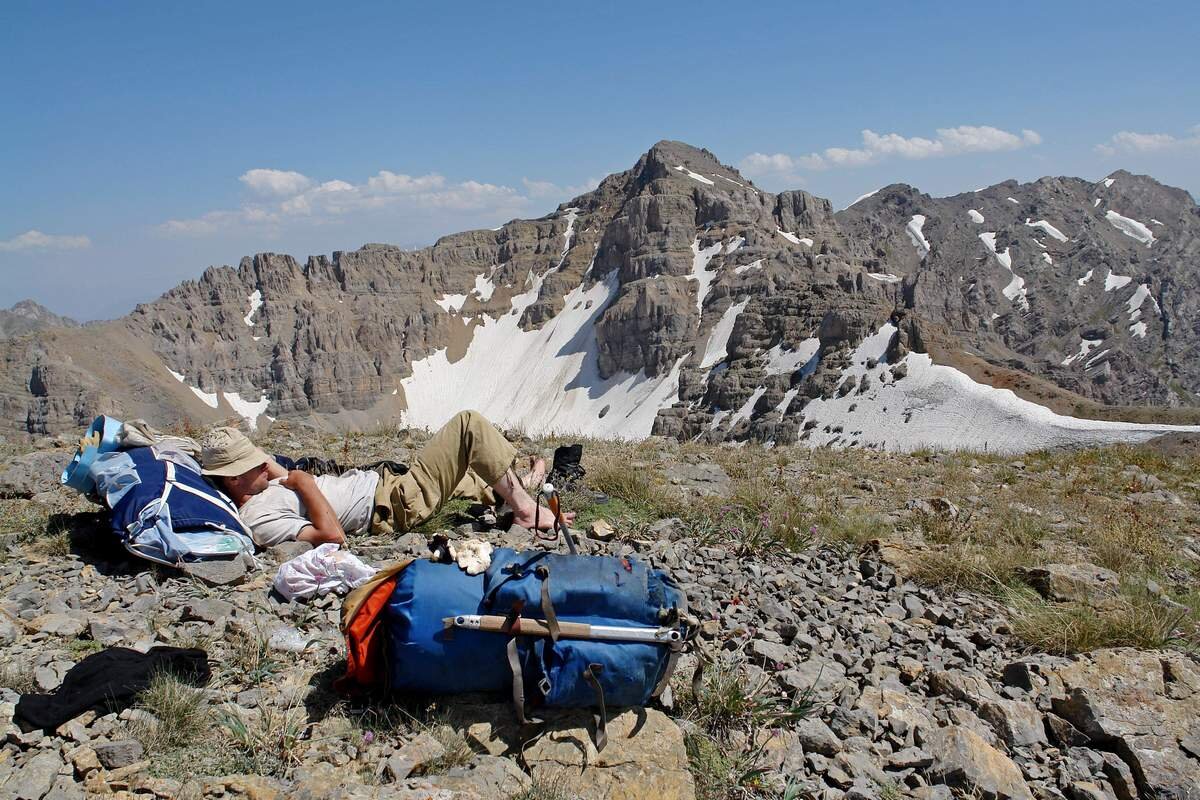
(67, 626)
(33, 473)
(288, 550)
(771, 653)
(34, 779)
(485, 777)
(224, 572)
(817, 677)
(1078, 582)
(1017, 723)
(703, 479)
(816, 737)
(414, 756)
(109, 632)
(114, 755)
(964, 761)
(207, 610)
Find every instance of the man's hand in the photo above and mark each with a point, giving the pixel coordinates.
(297, 478)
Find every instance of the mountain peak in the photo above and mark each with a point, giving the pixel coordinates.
(670, 158)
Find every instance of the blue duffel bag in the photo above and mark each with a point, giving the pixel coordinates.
(431, 646)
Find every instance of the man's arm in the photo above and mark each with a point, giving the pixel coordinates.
(325, 525)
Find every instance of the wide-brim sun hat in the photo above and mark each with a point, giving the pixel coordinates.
(227, 452)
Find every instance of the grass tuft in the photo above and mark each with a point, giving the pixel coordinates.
(269, 738)
(178, 710)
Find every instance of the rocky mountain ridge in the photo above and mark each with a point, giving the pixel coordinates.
(26, 316)
(677, 298)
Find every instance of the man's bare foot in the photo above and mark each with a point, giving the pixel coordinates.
(536, 476)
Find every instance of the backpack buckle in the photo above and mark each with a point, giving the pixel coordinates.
(544, 686)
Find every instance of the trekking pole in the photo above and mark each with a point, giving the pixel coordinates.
(556, 509)
(525, 626)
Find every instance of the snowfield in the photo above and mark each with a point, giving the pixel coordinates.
(543, 381)
(939, 406)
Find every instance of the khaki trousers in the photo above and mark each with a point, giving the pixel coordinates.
(463, 459)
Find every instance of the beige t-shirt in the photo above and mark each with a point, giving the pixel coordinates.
(277, 514)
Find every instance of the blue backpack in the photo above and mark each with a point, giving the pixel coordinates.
(164, 510)
(443, 630)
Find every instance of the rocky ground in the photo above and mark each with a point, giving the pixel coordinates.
(879, 626)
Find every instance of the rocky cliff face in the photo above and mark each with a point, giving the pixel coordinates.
(676, 298)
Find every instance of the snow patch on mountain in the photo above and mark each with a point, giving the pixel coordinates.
(1048, 228)
(209, 399)
(747, 409)
(256, 302)
(862, 197)
(747, 267)
(885, 277)
(1085, 346)
(545, 380)
(718, 340)
(916, 235)
(246, 409)
(975, 216)
(1015, 290)
(937, 405)
(793, 238)
(694, 175)
(785, 362)
(1130, 227)
(700, 273)
(452, 303)
(484, 288)
(1113, 281)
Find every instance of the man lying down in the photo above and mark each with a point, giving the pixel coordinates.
(467, 458)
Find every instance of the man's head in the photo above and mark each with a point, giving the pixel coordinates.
(235, 461)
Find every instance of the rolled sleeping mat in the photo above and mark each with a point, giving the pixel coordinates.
(101, 437)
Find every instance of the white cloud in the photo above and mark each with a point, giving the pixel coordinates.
(36, 240)
(1133, 142)
(275, 182)
(878, 147)
(290, 196)
(547, 189)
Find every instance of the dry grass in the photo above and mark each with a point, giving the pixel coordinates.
(1133, 619)
(249, 658)
(268, 739)
(18, 677)
(179, 714)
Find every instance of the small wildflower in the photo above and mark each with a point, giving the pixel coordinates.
(368, 737)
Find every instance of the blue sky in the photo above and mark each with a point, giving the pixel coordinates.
(143, 142)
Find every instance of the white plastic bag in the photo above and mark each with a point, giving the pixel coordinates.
(321, 570)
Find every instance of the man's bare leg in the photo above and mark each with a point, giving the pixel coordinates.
(526, 511)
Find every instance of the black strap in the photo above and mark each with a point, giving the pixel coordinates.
(600, 717)
(543, 572)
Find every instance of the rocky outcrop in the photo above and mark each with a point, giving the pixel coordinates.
(681, 271)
